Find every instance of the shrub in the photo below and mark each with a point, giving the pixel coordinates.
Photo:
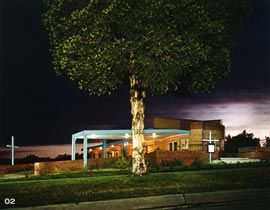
(199, 163)
(108, 162)
(122, 163)
(174, 162)
(150, 163)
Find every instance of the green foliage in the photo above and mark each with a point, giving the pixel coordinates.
(124, 151)
(166, 45)
(199, 163)
(79, 189)
(118, 163)
(107, 163)
(123, 163)
(174, 162)
(244, 139)
(150, 163)
(114, 172)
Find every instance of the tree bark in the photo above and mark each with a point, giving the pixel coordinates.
(137, 111)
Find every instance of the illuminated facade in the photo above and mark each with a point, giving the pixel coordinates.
(199, 130)
(168, 135)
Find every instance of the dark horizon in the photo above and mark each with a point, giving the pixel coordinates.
(40, 108)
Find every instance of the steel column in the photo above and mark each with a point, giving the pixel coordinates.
(85, 151)
(104, 145)
(73, 149)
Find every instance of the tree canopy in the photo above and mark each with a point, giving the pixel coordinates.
(244, 139)
(267, 141)
(166, 45)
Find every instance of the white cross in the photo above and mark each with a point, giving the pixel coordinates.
(12, 150)
(210, 141)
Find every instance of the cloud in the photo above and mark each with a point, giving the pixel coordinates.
(240, 110)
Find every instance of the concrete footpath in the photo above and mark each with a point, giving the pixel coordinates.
(166, 201)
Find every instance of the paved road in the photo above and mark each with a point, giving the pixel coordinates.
(243, 205)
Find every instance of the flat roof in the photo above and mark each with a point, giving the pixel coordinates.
(126, 134)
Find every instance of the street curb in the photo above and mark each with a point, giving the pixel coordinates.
(119, 204)
(227, 196)
(153, 202)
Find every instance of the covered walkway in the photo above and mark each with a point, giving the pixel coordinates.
(116, 136)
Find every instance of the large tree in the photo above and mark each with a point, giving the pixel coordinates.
(152, 45)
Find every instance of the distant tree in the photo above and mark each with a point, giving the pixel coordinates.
(232, 144)
(31, 158)
(63, 157)
(152, 45)
(267, 142)
(78, 156)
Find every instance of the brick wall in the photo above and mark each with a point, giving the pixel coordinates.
(187, 157)
(57, 166)
(67, 165)
(166, 123)
(6, 169)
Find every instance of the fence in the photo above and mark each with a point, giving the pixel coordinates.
(262, 153)
(254, 149)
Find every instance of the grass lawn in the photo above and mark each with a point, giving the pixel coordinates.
(71, 188)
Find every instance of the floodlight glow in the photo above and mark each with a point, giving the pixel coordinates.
(154, 135)
(93, 136)
(100, 148)
(126, 135)
(90, 150)
(112, 146)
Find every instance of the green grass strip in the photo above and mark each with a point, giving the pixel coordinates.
(79, 189)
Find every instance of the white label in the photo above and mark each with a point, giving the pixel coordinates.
(211, 148)
(9, 201)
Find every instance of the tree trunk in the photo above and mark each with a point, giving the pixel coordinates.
(137, 112)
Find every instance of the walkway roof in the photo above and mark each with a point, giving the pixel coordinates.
(126, 134)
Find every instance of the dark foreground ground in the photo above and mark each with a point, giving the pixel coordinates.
(38, 191)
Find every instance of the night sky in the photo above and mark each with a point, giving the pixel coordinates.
(40, 108)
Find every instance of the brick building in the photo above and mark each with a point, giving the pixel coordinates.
(190, 141)
(199, 130)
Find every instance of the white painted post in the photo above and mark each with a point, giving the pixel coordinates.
(85, 151)
(209, 153)
(104, 145)
(73, 148)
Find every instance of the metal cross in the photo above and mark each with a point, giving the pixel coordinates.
(12, 150)
(209, 143)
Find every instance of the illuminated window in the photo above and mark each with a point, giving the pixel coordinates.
(173, 146)
(184, 143)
